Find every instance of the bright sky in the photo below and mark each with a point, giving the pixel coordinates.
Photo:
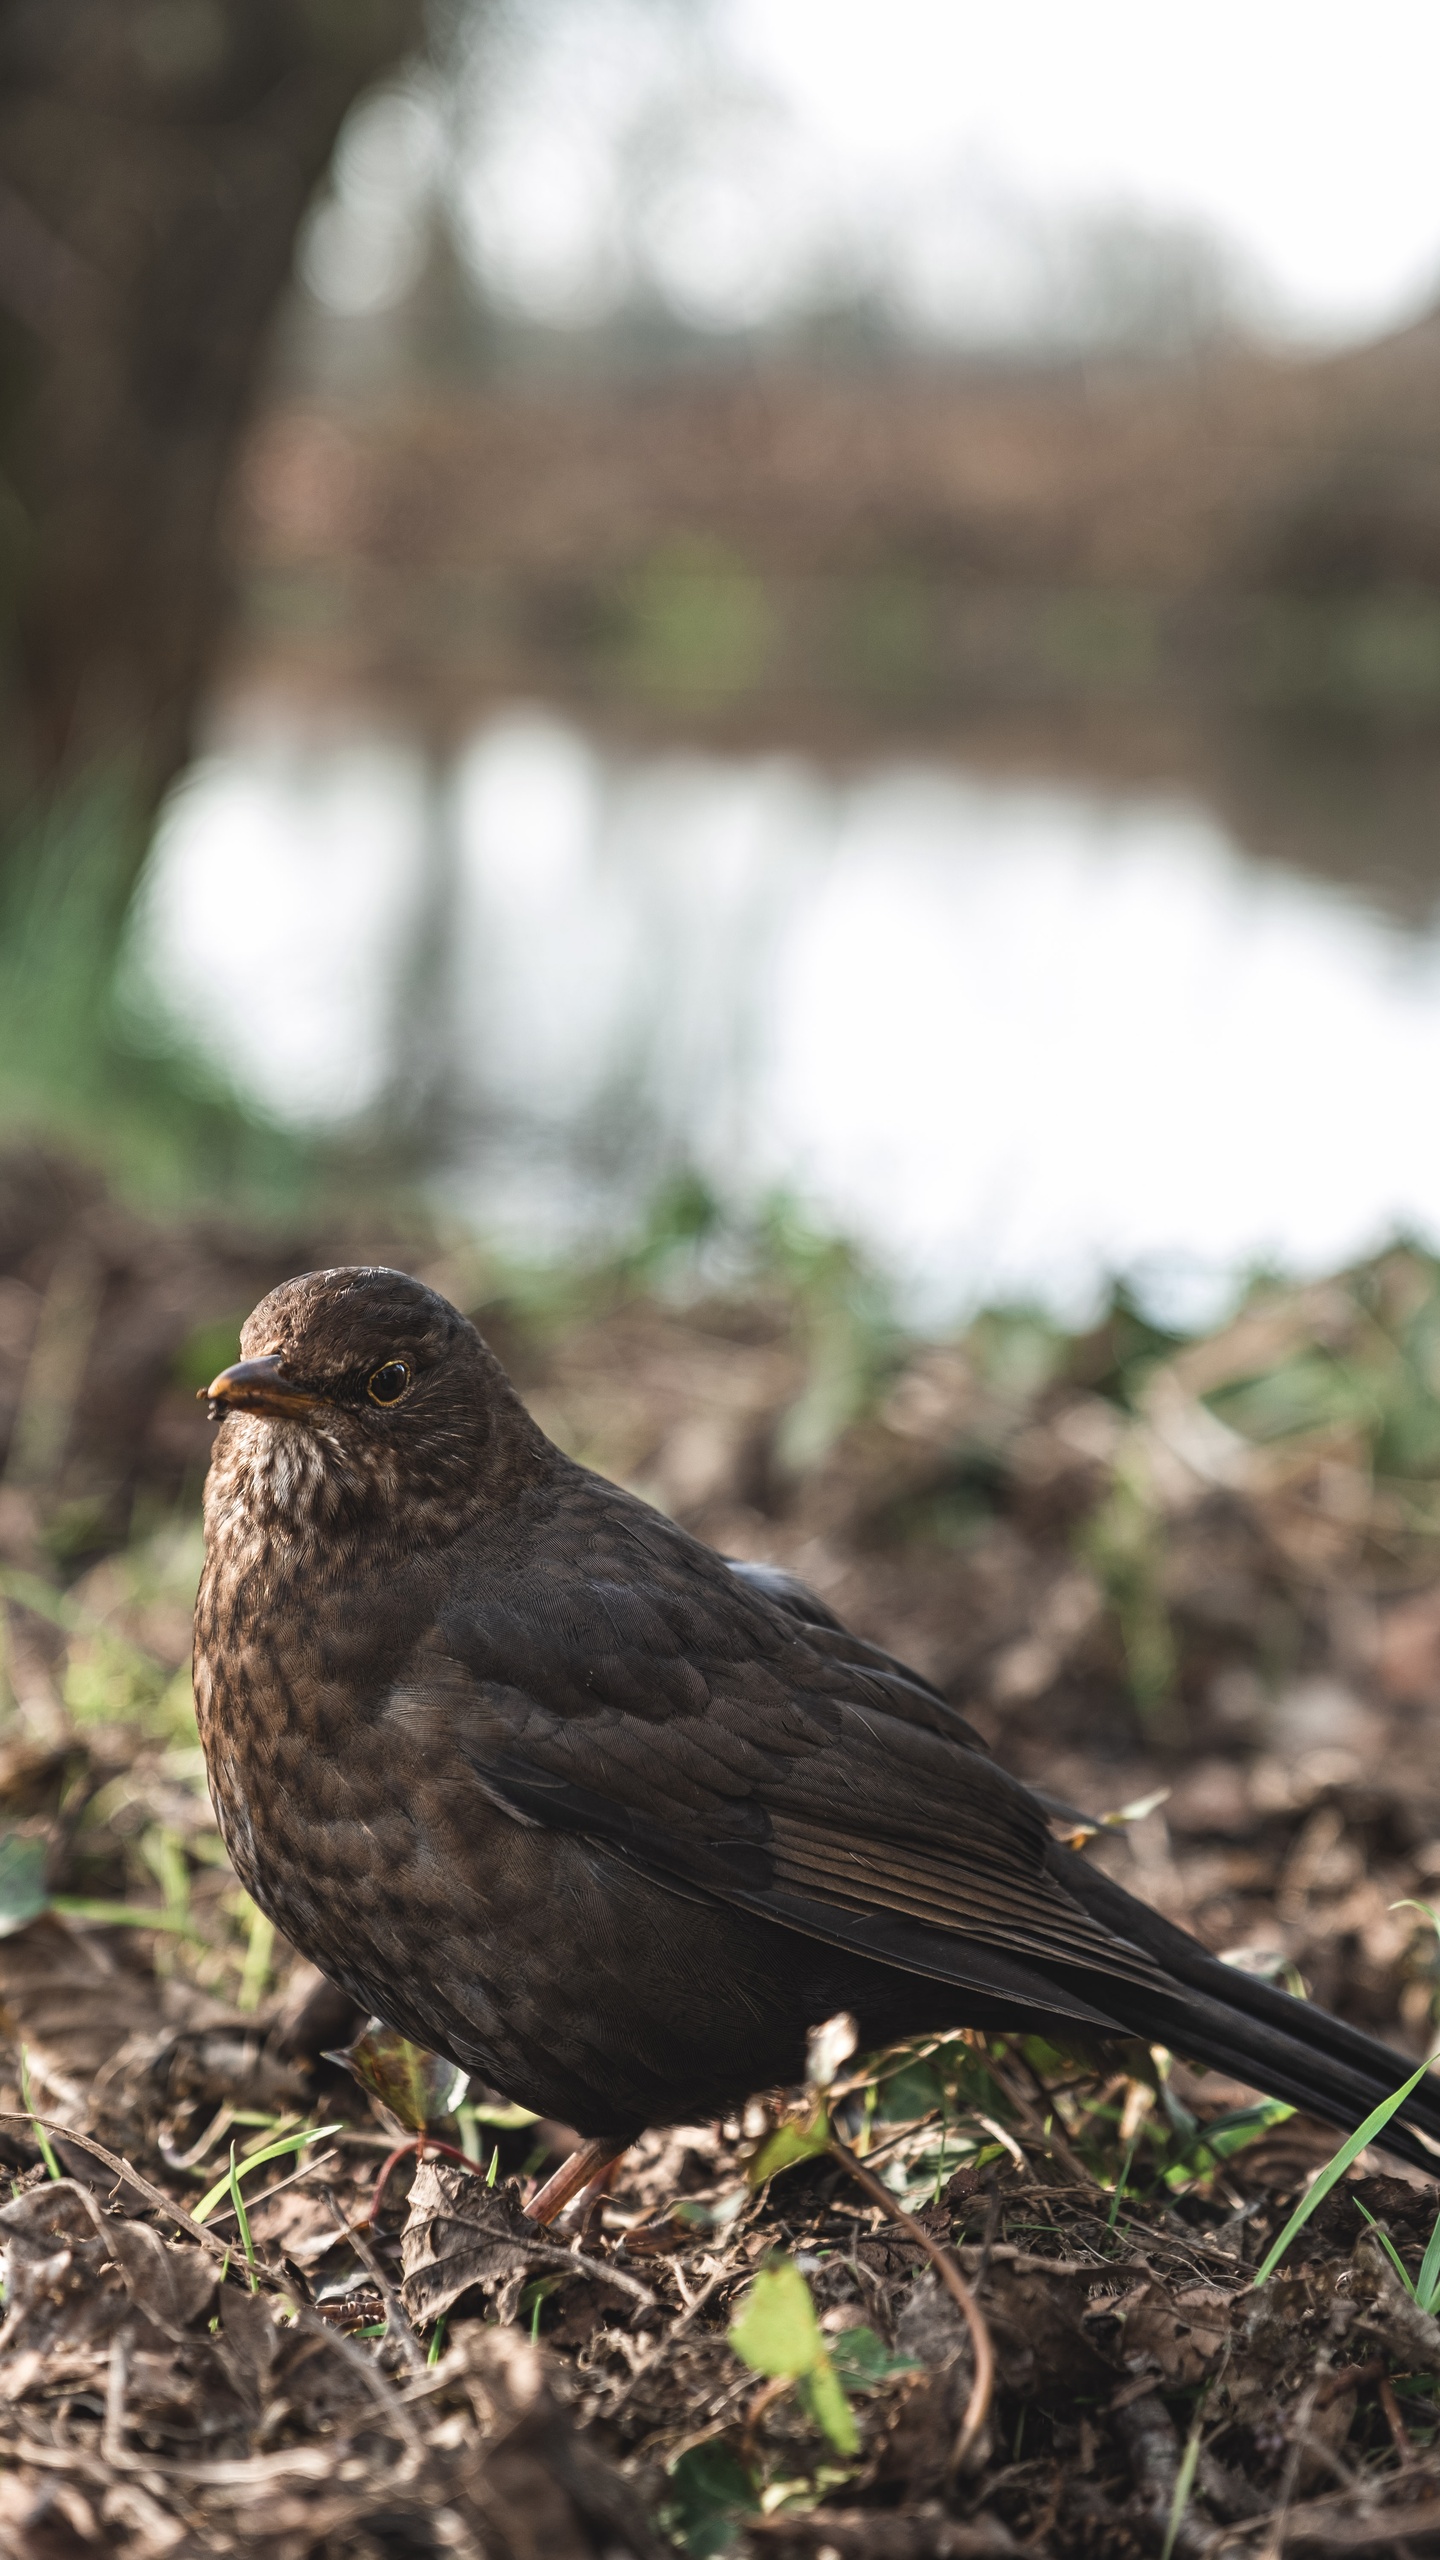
(1305, 129)
(965, 157)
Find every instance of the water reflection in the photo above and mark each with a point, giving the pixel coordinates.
(1014, 1038)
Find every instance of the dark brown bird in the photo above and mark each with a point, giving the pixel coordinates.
(562, 1794)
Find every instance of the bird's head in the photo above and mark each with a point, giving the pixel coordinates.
(360, 1391)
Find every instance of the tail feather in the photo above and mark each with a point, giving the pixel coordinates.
(1215, 2014)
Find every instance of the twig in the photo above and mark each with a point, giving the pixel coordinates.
(549, 2254)
(1304, 2412)
(1332, 2524)
(419, 2143)
(1032, 2118)
(1385, 2394)
(300, 2461)
(982, 2387)
(1349, 2377)
(112, 2437)
(998, 2133)
(381, 2389)
(907, 2132)
(692, 2310)
(153, 2196)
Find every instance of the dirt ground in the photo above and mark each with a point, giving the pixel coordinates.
(1193, 1584)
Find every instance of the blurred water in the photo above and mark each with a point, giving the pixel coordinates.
(1012, 1038)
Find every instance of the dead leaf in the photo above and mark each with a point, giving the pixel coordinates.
(536, 2467)
(463, 2237)
(1035, 2320)
(1181, 2336)
(62, 2292)
(248, 2344)
(171, 2285)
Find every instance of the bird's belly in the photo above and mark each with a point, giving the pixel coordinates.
(541, 1961)
(529, 1957)
(534, 1958)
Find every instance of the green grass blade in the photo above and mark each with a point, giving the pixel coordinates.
(259, 1954)
(1335, 2169)
(1388, 2245)
(1184, 2484)
(256, 2159)
(241, 2216)
(1427, 2283)
(126, 1915)
(1126, 2165)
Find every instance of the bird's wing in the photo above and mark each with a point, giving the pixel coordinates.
(912, 1696)
(625, 1685)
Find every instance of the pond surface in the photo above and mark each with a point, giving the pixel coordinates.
(1012, 1038)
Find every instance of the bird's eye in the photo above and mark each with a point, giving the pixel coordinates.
(388, 1384)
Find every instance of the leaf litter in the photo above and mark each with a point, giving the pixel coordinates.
(1192, 1583)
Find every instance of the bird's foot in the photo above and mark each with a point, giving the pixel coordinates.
(589, 2167)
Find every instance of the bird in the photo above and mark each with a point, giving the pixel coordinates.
(608, 1819)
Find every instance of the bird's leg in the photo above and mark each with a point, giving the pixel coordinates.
(583, 2221)
(583, 2169)
(419, 2143)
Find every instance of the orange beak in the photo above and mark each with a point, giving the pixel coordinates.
(258, 1386)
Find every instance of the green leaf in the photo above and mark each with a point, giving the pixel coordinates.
(1335, 2169)
(823, 2394)
(777, 2331)
(778, 2334)
(1224, 2136)
(711, 2495)
(22, 1881)
(1232, 2133)
(415, 2087)
(788, 2144)
(915, 2091)
(863, 2361)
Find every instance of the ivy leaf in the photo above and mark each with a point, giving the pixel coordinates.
(711, 2497)
(863, 2361)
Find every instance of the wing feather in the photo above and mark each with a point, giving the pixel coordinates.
(723, 1730)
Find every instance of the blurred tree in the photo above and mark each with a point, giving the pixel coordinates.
(156, 158)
